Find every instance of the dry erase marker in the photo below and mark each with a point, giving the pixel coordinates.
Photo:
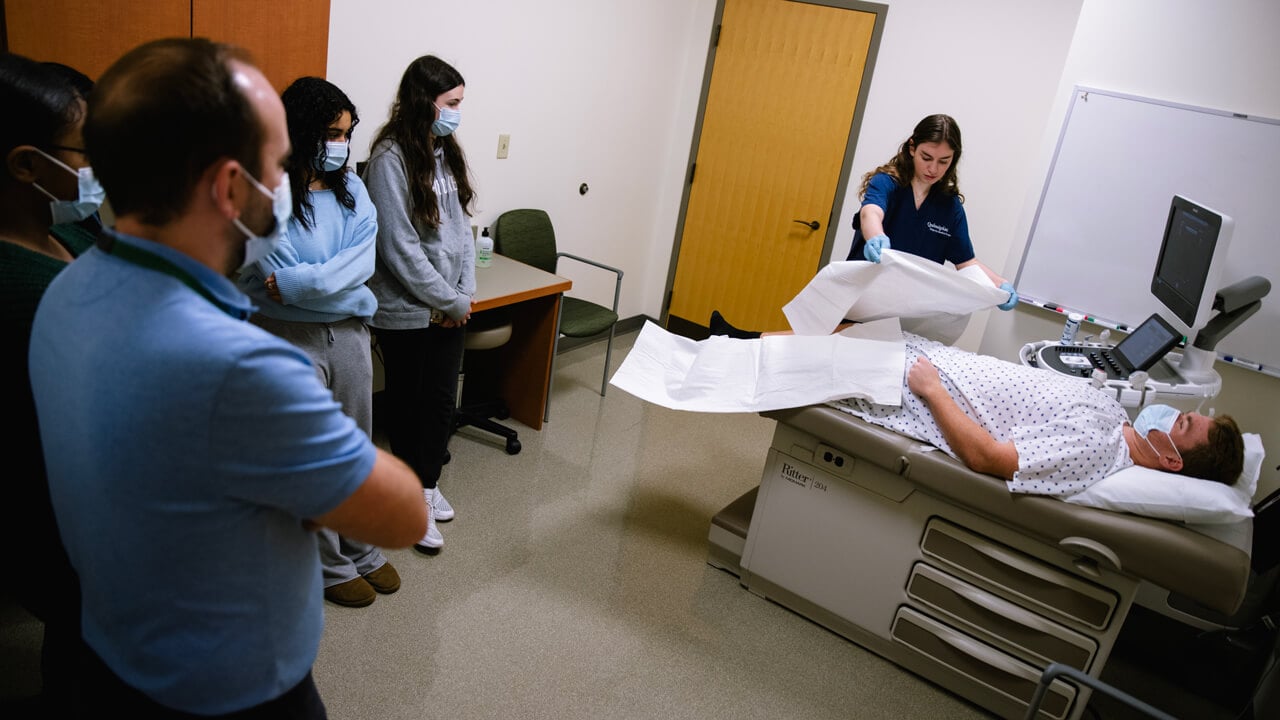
(1243, 363)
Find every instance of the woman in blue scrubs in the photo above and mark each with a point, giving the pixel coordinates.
(915, 200)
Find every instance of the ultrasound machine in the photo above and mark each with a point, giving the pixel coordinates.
(1143, 368)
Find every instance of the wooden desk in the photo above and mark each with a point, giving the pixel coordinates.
(521, 369)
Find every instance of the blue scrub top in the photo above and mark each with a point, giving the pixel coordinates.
(937, 230)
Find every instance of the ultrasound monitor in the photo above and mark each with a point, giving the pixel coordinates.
(1192, 255)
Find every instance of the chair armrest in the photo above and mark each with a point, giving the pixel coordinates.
(617, 288)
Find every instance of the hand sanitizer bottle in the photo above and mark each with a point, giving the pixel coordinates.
(484, 249)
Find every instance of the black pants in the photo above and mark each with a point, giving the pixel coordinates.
(421, 373)
(103, 690)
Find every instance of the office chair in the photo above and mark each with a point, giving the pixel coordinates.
(481, 336)
(527, 235)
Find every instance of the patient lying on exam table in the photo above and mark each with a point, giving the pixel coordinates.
(1045, 434)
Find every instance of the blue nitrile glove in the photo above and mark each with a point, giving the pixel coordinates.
(1012, 302)
(871, 250)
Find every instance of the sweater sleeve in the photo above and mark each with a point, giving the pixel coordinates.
(350, 262)
(399, 246)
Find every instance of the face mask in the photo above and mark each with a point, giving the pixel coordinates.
(1159, 418)
(88, 202)
(258, 246)
(447, 122)
(333, 157)
(1155, 417)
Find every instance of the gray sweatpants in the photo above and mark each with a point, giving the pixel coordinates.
(341, 354)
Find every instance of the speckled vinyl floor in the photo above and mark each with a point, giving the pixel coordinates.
(574, 584)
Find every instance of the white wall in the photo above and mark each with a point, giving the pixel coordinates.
(993, 65)
(603, 93)
(1198, 52)
(606, 91)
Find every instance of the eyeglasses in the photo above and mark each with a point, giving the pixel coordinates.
(68, 148)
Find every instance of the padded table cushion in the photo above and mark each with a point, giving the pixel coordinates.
(1167, 554)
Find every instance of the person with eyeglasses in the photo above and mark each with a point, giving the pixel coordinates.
(47, 187)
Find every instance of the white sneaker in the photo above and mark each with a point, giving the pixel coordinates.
(433, 540)
(440, 508)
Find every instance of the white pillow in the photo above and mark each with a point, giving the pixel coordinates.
(1158, 494)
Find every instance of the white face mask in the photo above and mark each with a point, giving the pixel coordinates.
(258, 246)
(334, 156)
(86, 204)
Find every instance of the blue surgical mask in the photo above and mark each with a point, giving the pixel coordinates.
(1156, 417)
(333, 156)
(447, 122)
(86, 204)
(258, 246)
(1160, 419)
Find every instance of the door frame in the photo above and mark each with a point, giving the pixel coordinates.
(846, 167)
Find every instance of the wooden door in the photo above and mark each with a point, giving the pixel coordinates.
(89, 36)
(771, 158)
(288, 38)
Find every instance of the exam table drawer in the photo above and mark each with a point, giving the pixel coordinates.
(1028, 581)
(1034, 637)
(979, 662)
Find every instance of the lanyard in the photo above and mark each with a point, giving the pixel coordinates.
(151, 261)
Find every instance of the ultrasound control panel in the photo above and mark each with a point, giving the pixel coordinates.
(1164, 382)
(1082, 360)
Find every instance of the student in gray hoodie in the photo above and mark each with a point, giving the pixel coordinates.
(424, 274)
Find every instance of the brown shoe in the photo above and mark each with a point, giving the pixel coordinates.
(355, 592)
(385, 579)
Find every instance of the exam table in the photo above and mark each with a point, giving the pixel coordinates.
(941, 570)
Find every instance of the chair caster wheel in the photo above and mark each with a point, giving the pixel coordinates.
(513, 447)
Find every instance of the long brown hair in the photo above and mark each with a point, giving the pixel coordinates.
(409, 126)
(933, 129)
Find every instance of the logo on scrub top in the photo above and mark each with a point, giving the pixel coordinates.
(942, 230)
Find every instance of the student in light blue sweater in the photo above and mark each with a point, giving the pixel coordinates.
(311, 291)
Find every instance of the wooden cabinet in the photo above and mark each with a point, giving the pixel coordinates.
(288, 38)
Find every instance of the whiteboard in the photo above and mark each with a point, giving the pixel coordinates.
(1120, 160)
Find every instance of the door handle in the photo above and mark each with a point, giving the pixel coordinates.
(813, 224)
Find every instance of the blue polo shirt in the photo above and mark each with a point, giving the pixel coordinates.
(937, 230)
(184, 448)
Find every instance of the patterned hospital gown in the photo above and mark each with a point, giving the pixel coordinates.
(1067, 433)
